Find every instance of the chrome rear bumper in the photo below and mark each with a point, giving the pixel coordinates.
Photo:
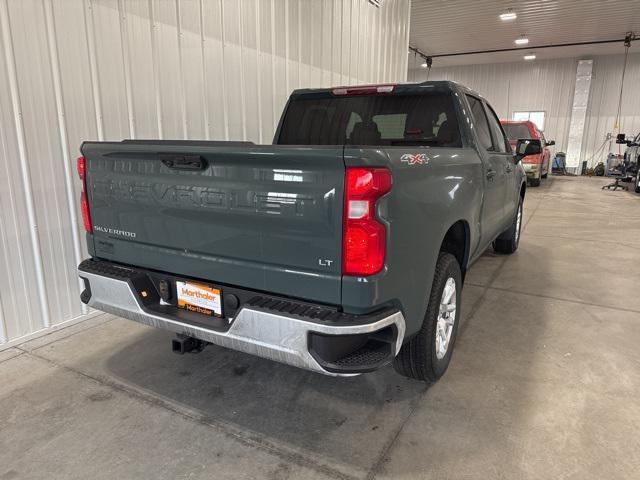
(270, 335)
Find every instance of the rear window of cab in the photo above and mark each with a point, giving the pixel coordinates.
(372, 120)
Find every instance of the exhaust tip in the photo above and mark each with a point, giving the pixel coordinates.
(85, 296)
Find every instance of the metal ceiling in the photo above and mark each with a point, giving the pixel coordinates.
(451, 26)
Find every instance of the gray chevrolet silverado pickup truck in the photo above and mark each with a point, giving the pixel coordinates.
(340, 248)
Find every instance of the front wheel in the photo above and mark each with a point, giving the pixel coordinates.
(508, 241)
(637, 187)
(427, 355)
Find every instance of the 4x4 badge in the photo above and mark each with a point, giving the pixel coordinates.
(414, 159)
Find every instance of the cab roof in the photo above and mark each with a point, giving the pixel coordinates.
(403, 88)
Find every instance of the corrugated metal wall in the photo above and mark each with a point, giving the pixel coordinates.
(545, 85)
(548, 85)
(74, 70)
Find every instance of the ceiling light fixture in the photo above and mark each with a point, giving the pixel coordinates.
(508, 15)
(522, 40)
(531, 56)
(424, 65)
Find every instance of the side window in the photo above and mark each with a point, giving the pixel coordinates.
(500, 142)
(480, 122)
(391, 126)
(353, 119)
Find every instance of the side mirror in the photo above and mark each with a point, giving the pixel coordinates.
(526, 147)
(621, 138)
(550, 142)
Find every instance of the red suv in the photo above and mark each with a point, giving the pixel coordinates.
(536, 166)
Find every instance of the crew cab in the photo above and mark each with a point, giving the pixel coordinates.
(340, 248)
(536, 165)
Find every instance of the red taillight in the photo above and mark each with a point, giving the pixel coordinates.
(86, 216)
(364, 237)
(81, 162)
(84, 202)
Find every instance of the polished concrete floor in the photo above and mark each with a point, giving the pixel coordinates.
(544, 383)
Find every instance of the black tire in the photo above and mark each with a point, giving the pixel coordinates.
(545, 175)
(534, 182)
(508, 241)
(636, 188)
(418, 358)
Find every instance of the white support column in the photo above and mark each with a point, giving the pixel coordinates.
(21, 139)
(579, 114)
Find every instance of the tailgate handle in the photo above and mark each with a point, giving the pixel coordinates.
(183, 162)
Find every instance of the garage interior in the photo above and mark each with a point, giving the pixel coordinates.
(546, 373)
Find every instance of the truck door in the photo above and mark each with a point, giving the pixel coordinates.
(492, 216)
(502, 150)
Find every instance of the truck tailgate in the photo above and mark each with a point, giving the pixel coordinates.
(260, 217)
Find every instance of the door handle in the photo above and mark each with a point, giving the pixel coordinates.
(509, 169)
(491, 174)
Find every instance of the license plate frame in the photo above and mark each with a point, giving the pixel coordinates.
(199, 298)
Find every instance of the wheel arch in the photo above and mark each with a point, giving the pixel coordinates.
(456, 241)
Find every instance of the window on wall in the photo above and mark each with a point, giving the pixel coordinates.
(536, 117)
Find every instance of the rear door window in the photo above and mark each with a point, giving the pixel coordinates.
(480, 122)
(500, 142)
(427, 119)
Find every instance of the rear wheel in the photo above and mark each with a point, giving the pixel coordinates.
(637, 186)
(508, 241)
(545, 175)
(427, 355)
